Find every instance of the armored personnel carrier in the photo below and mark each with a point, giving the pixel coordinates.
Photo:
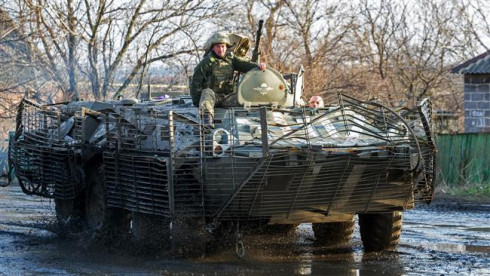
(155, 171)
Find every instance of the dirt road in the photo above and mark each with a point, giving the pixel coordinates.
(439, 240)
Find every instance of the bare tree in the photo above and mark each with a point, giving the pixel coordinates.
(407, 48)
(475, 25)
(398, 50)
(320, 29)
(106, 41)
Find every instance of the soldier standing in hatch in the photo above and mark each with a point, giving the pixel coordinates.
(315, 102)
(212, 82)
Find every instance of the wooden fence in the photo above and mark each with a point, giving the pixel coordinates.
(463, 158)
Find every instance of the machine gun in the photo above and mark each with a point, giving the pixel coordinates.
(256, 51)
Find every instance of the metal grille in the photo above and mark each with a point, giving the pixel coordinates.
(149, 141)
(137, 183)
(42, 159)
(287, 165)
(297, 164)
(304, 188)
(424, 189)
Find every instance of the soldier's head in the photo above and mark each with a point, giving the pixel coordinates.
(218, 43)
(315, 102)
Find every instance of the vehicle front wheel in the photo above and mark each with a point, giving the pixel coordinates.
(69, 215)
(102, 222)
(381, 231)
(330, 233)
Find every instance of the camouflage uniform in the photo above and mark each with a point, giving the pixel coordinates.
(213, 79)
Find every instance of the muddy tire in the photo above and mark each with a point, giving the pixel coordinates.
(380, 232)
(103, 224)
(68, 215)
(330, 233)
(150, 230)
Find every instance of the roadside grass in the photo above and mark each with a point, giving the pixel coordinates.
(479, 193)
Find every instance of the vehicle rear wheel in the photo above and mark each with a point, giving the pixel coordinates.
(102, 222)
(330, 233)
(380, 232)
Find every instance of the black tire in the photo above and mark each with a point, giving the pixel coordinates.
(150, 230)
(68, 215)
(102, 223)
(380, 232)
(330, 233)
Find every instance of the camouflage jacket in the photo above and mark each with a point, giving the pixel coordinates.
(216, 73)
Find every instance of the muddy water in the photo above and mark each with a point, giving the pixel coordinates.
(435, 241)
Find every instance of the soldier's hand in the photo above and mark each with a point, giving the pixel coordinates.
(262, 66)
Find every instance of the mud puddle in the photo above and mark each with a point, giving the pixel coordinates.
(434, 242)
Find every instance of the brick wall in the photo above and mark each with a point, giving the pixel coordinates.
(477, 103)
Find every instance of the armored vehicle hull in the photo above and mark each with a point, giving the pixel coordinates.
(124, 167)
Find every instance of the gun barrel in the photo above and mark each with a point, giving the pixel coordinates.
(256, 52)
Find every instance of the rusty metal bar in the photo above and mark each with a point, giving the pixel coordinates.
(264, 131)
(170, 164)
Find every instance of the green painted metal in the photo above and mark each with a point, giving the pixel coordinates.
(463, 158)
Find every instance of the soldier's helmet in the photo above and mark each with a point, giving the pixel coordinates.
(216, 38)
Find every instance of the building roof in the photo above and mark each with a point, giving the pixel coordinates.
(477, 65)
